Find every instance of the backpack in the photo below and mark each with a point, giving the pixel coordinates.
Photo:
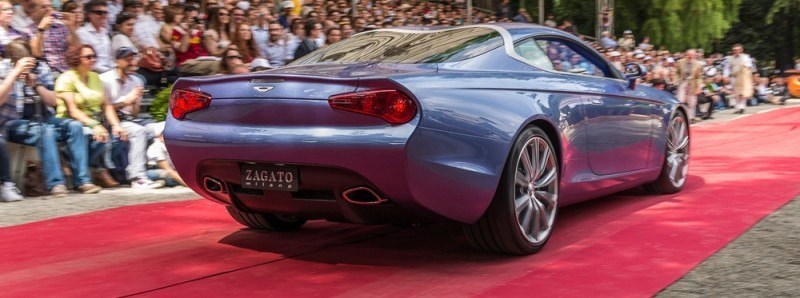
(34, 179)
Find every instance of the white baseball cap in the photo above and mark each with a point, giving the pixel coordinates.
(259, 62)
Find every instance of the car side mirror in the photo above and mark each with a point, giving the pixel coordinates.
(633, 72)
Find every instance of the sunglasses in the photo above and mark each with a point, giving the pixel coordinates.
(238, 15)
(100, 12)
(89, 57)
(233, 57)
(224, 14)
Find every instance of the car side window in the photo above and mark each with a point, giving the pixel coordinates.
(530, 51)
(566, 59)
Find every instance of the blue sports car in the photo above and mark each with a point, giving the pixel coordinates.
(492, 126)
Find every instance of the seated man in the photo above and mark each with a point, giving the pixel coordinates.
(123, 90)
(778, 92)
(27, 116)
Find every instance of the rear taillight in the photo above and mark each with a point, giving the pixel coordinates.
(390, 105)
(183, 102)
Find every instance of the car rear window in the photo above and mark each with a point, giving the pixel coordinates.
(408, 47)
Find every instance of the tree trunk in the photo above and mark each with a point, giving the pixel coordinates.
(790, 37)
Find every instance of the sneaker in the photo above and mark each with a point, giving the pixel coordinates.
(89, 188)
(10, 193)
(144, 183)
(59, 191)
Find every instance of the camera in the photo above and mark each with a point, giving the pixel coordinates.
(40, 63)
(57, 16)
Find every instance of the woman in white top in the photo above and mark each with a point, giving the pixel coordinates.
(124, 36)
(220, 28)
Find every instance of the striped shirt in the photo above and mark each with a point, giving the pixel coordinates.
(13, 107)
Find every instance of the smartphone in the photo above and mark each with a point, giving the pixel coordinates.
(57, 16)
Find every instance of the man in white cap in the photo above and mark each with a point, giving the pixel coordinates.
(123, 90)
(627, 42)
(286, 12)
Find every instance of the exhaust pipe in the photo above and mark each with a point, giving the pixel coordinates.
(213, 185)
(363, 196)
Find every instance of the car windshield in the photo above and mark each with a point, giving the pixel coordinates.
(408, 47)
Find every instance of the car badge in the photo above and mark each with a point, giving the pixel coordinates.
(263, 89)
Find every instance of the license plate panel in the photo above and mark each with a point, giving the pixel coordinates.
(269, 177)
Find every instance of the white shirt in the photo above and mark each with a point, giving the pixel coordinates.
(101, 43)
(21, 20)
(5, 37)
(121, 40)
(115, 90)
(292, 43)
(114, 9)
(735, 64)
(158, 152)
(261, 36)
(146, 30)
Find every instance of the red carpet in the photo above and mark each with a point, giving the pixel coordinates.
(623, 245)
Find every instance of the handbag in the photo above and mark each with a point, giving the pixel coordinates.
(34, 179)
(151, 59)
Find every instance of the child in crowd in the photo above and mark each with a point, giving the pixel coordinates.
(160, 166)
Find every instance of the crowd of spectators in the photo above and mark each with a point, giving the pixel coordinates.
(703, 81)
(74, 73)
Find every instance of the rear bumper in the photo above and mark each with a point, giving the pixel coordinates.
(425, 174)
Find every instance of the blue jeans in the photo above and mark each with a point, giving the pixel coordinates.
(112, 155)
(159, 174)
(45, 137)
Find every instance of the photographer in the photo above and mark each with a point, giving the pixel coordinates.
(53, 33)
(8, 190)
(28, 118)
(185, 31)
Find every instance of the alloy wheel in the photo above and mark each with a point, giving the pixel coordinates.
(678, 151)
(536, 190)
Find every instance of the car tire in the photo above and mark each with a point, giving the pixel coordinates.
(266, 221)
(520, 218)
(675, 166)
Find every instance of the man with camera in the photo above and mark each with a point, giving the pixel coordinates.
(52, 34)
(26, 114)
(123, 89)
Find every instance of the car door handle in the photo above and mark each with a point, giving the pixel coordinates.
(596, 101)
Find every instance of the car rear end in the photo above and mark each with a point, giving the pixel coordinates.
(287, 143)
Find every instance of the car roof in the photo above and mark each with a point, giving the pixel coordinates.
(516, 30)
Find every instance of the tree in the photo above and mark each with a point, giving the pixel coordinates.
(674, 24)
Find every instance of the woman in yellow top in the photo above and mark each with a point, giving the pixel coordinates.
(81, 97)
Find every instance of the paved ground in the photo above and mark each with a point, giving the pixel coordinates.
(765, 261)
(40, 208)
